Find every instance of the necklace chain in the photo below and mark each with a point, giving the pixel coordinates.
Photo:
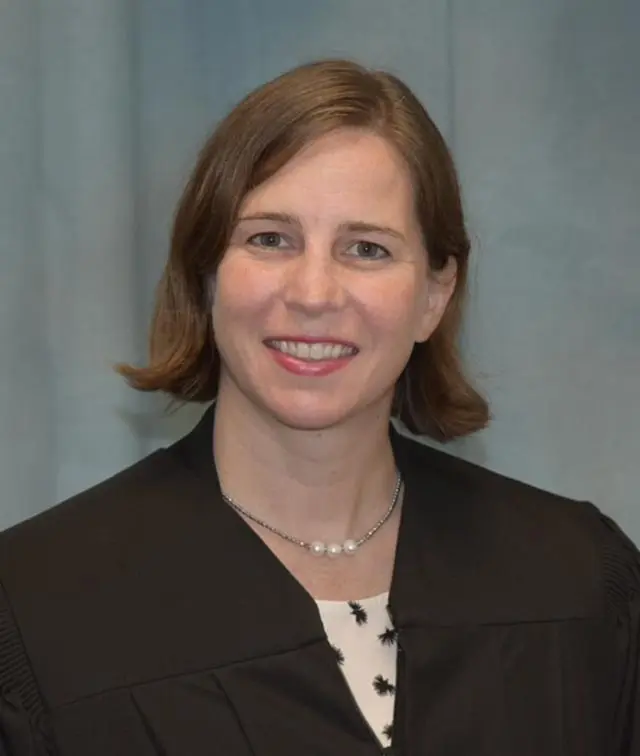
(319, 548)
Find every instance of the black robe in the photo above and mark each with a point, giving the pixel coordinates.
(145, 617)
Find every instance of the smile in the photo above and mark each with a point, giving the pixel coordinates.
(314, 352)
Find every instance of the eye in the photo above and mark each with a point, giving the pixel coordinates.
(268, 239)
(367, 250)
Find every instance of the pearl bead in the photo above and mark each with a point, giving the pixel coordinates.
(349, 547)
(334, 550)
(318, 548)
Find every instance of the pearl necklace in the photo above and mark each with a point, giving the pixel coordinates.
(319, 548)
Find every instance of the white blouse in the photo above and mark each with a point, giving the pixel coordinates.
(364, 640)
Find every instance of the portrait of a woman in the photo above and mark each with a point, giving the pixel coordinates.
(298, 574)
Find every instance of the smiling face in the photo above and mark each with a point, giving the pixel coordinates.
(325, 288)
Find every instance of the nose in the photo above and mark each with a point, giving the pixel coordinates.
(312, 283)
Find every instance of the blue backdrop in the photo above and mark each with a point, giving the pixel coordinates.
(104, 104)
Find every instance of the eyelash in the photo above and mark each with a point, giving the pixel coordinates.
(254, 241)
(377, 246)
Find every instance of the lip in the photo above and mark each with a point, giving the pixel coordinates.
(306, 368)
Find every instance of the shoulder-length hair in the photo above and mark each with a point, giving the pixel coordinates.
(264, 131)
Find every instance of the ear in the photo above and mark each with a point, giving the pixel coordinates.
(439, 288)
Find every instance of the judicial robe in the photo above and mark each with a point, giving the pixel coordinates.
(144, 617)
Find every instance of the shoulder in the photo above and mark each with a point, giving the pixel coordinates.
(50, 566)
(59, 556)
(73, 546)
(568, 552)
(110, 528)
(89, 520)
(87, 582)
(101, 533)
(497, 495)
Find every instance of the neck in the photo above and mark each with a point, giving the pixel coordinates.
(329, 484)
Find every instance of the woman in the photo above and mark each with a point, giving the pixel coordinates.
(295, 576)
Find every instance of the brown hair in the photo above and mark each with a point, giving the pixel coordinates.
(263, 132)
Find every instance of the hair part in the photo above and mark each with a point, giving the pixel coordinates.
(258, 137)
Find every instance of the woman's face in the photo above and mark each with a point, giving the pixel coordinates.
(325, 289)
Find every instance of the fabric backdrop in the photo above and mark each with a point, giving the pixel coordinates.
(103, 104)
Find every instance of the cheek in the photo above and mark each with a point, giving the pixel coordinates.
(394, 310)
(240, 292)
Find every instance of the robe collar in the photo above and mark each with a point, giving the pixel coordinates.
(462, 552)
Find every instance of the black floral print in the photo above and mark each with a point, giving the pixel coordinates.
(389, 637)
(363, 638)
(383, 687)
(358, 612)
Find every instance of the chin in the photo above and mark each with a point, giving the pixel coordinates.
(312, 410)
(308, 419)
(316, 414)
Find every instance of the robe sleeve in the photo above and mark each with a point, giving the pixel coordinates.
(622, 579)
(23, 728)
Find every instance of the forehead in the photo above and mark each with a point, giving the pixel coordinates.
(346, 173)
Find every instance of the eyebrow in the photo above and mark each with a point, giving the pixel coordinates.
(353, 226)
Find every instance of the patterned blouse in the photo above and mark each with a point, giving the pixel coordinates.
(365, 644)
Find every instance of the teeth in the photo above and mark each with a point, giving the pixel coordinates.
(304, 351)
